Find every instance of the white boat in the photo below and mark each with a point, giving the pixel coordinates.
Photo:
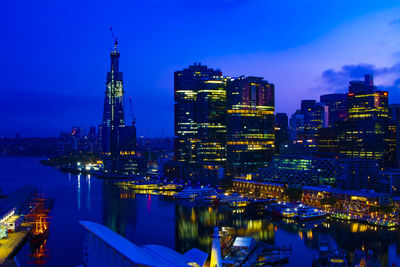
(196, 193)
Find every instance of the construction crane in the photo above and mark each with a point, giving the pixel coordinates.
(132, 115)
(114, 38)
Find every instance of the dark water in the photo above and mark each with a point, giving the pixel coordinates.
(146, 219)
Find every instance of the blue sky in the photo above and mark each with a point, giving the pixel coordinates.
(55, 54)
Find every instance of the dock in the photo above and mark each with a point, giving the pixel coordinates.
(10, 245)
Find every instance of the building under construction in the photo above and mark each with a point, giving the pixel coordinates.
(118, 139)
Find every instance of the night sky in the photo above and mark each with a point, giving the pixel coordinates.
(55, 54)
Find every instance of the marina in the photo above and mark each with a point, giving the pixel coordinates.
(184, 224)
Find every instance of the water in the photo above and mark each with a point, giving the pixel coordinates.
(146, 219)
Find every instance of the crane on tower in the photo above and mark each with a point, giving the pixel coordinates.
(133, 116)
(114, 38)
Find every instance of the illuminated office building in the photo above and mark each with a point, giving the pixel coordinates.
(211, 121)
(187, 84)
(315, 117)
(365, 133)
(394, 133)
(337, 107)
(250, 124)
(300, 170)
(328, 140)
(118, 140)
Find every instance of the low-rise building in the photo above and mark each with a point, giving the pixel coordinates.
(357, 201)
(258, 189)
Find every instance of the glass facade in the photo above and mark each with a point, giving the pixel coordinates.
(250, 124)
(365, 133)
(187, 84)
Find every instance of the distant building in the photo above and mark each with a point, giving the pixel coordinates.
(193, 173)
(296, 126)
(187, 84)
(365, 132)
(281, 130)
(315, 117)
(250, 124)
(337, 107)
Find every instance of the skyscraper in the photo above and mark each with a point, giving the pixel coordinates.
(211, 121)
(337, 107)
(296, 125)
(315, 117)
(113, 114)
(365, 132)
(250, 124)
(281, 130)
(118, 140)
(187, 84)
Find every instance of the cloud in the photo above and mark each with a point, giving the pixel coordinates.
(395, 22)
(385, 77)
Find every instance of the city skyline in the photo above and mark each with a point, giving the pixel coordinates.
(313, 61)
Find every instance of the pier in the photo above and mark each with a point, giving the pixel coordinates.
(10, 245)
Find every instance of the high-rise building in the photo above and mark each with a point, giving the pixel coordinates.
(337, 107)
(281, 130)
(211, 121)
(250, 124)
(118, 139)
(296, 126)
(315, 117)
(113, 114)
(394, 133)
(187, 84)
(365, 133)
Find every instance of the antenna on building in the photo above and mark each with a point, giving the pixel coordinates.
(114, 38)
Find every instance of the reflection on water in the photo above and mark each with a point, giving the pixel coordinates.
(146, 219)
(39, 253)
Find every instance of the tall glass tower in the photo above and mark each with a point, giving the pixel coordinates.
(113, 115)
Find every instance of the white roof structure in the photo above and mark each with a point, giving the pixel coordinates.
(243, 242)
(150, 255)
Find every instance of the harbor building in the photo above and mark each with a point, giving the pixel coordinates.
(250, 124)
(354, 201)
(299, 170)
(258, 189)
